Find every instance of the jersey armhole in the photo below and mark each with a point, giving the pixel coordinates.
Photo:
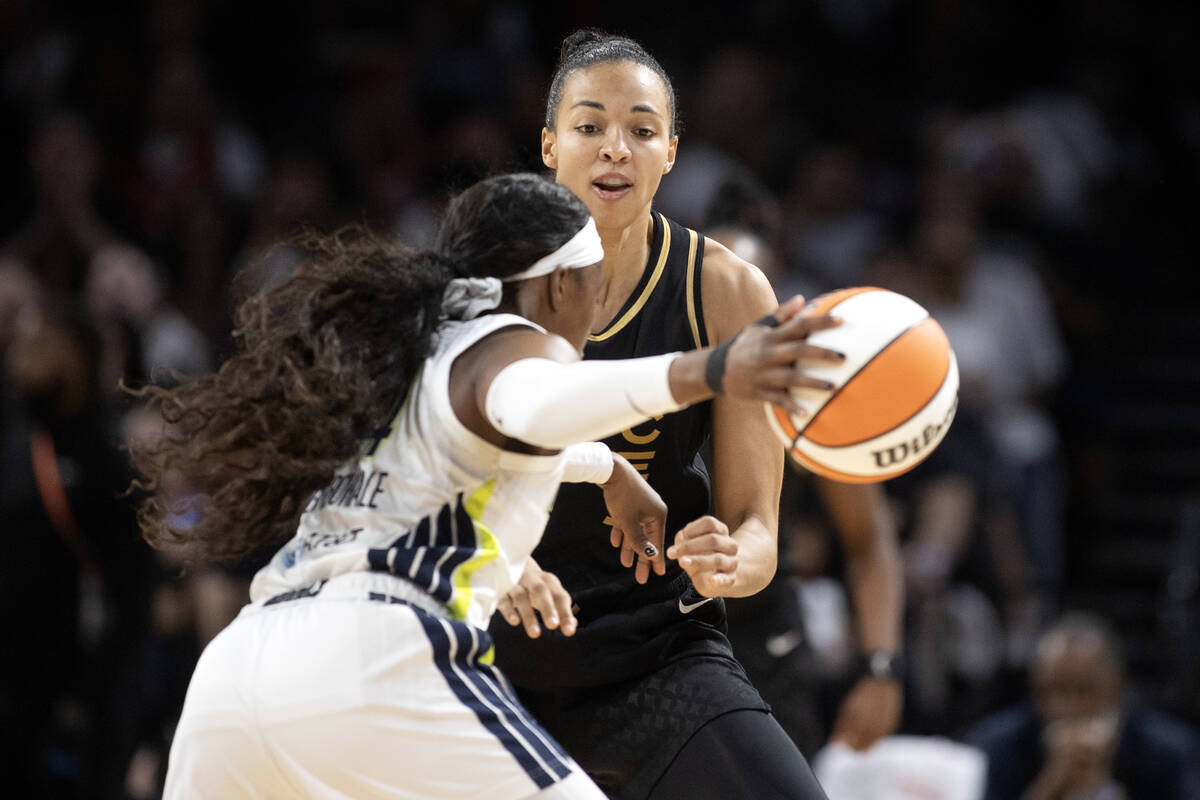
(692, 294)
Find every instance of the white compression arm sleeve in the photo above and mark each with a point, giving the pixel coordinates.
(587, 462)
(550, 404)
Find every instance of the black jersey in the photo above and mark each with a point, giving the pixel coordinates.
(622, 624)
(649, 664)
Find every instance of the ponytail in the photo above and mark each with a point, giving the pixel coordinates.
(322, 362)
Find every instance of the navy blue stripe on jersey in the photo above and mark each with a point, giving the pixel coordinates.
(502, 686)
(429, 553)
(545, 748)
(455, 653)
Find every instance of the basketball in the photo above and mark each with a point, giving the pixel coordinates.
(892, 400)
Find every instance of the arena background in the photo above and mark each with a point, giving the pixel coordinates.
(151, 149)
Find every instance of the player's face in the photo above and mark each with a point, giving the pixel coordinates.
(586, 287)
(611, 142)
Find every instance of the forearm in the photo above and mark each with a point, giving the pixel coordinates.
(877, 587)
(874, 568)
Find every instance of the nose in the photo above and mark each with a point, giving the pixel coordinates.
(614, 148)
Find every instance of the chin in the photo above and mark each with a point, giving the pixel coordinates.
(620, 214)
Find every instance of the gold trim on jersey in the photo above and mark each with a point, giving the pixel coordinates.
(691, 288)
(641, 301)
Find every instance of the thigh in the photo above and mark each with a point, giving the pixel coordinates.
(217, 750)
(365, 699)
(739, 754)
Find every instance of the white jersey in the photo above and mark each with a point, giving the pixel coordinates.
(428, 500)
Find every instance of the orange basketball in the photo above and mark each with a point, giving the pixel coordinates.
(893, 398)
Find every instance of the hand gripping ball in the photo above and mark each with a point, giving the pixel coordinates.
(893, 398)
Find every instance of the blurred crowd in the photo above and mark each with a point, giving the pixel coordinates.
(1016, 168)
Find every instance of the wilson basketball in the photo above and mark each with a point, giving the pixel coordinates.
(893, 398)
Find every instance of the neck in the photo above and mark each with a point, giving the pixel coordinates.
(625, 252)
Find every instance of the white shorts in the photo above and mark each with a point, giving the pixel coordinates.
(334, 695)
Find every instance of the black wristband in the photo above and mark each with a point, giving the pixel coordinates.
(714, 368)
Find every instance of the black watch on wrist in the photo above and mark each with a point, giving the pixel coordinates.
(883, 665)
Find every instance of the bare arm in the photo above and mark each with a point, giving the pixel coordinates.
(733, 553)
(872, 708)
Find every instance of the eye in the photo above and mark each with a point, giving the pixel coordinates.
(587, 128)
(644, 133)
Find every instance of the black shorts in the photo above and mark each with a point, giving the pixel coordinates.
(739, 754)
(627, 734)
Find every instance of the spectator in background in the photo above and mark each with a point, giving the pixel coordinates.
(737, 90)
(832, 233)
(997, 315)
(64, 228)
(74, 578)
(299, 194)
(146, 338)
(198, 171)
(1082, 735)
(18, 298)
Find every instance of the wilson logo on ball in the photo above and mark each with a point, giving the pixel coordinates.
(893, 398)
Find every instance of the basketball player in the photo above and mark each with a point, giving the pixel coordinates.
(415, 412)
(646, 694)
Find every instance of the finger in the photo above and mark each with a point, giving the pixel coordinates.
(524, 609)
(701, 526)
(793, 350)
(543, 602)
(787, 402)
(706, 544)
(650, 545)
(642, 573)
(627, 555)
(615, 536)
(696, 528)
(787, 377)
(508, 611)
(819, 322)
(790, 308)
(797, 378)
(643, 542)
(567, 621)
(714, 563)
(800, 326)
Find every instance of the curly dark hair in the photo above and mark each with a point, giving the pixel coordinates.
(322, 362)
(589, 46)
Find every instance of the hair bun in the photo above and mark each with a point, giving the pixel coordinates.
(582, 39)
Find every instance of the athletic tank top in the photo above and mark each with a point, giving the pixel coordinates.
(427, 500)
(663, 314)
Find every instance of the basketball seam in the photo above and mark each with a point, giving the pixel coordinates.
(852, 444)
(915, 413)
(855, 477)
(848, 380)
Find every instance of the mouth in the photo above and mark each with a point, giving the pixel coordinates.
(612, 187)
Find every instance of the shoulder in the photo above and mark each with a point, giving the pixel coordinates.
(736, 292)
(514, 342)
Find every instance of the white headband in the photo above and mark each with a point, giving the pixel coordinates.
(581, 250)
